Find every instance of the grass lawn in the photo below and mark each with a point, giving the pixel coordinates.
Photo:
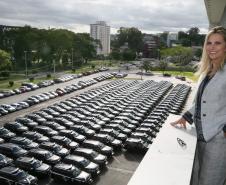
(189, 75)
(18, 79)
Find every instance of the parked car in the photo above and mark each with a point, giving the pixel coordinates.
(70, 173)
(14, 175)
(24, 142)
(98, 146)
(12, 150)
(44, 155)
(136, 144)
(35, 117)
(53, 125)
(91, 155)
(6, 134)
(5, 161)
(73, 135)
(83, 130)
(16, 127)
(108, 140)
(33, 166)
(3, 111)
(47, 131)
(65, 142)
(55, 148)
(35, 136)
(27, 122)
(83, 163)
(7, 107)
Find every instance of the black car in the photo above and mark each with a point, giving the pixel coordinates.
(91, 155)
(16, 127)
(5, 161)
(83, 163)
(33, 166)
(51, 112)
(47, 131)
(55, 148)
(36, 118)
(119, 127)
(65, 142)
(35, 136)
(70, 173)
(83, 130)
(99, 147)
(44, 155)
(114, 133)
(64, 122)
(6, 134)
(44, 115)
(108, 140)
(73, 135)
(24, 143)
(12, 150)
(136, 144)
(27, 122)
(14, 175)
(58, 109)
(53, 125)
(141, 135)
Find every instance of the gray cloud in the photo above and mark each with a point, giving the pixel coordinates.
(148, 15)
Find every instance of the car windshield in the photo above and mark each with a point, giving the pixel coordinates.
(3, 131)
(94, 154)
(85, 162)
(26, 142)
(76, 172)
(16, 149)
(20, 174)
(48, 155)
(36, 163)
(66, 140)
(1, 157)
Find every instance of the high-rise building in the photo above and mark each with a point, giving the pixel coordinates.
(100, 31)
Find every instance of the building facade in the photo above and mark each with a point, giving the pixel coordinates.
(101, 31)
(151, 46)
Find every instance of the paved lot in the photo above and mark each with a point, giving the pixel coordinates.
(122, 166)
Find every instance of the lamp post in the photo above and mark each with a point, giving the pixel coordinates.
(72, 50)
(158, 54)
(25, 59)
(54, 64)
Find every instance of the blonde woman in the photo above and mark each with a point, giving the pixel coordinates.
(208, 112)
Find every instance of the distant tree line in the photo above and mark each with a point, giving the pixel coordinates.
(42, 48)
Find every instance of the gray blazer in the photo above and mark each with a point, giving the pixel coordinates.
(213, 105)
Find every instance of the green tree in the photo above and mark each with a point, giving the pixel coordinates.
(128, 55)
(182, 55)
(132, 36)
(146, 66)
(163, 66)
(115, 54)
(5, 63)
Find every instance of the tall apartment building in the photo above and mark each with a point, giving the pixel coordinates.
(100, 31)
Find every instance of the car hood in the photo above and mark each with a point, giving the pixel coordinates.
(43, 168)
(84, 177)
(54, 159)
(92, 165)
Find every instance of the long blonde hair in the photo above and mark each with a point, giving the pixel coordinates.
(205, 66)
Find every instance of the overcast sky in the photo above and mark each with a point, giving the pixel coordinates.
(149, 16)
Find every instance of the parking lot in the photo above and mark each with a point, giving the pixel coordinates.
(123, 164)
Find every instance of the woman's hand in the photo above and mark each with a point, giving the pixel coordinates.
(181, 122)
